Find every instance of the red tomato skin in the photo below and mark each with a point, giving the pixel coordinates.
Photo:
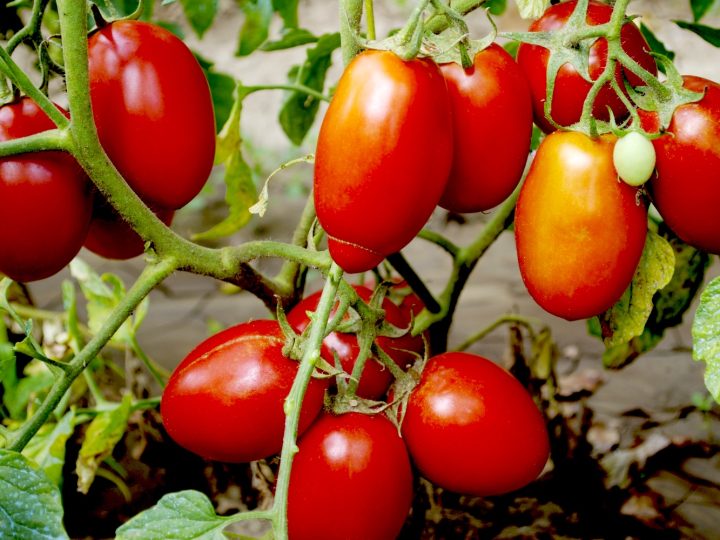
(376, 378)
(471, 427)
(383, 157)
(351, 480)
(224, 401)
(579, 231)
(112, 237)
(686, 187)
(570, 87)
(492, 122)
(153, 111)
(45, 200)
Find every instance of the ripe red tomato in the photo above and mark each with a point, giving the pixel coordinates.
(224, 401)
(571, 88)
(686, 188)
(488, 163)
(471, 427)
(579, 231)
(153, 111)
(45, 200)
(376, 378)
(383, 157)
(111, 237)
(351, 480)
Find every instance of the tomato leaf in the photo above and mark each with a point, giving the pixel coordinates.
(104, 432)
(708, 33)
(292, 37)
(288, 10)
(255, 29)
(47, 447)
(531, 9)
(222, 90)
(200, 14)
(184, 515)
(31, 388)
(700, 8)
(706, 336)
(627, 318)
(29, 502)
(299, 109)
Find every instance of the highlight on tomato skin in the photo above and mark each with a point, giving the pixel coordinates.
(224, 401)
(579, 232)
(471, 427)
(383, 156)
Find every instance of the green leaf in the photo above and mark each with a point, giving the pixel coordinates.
(222, 87)
(627, 318)
(200, 14)
(656, 45)
(288, 10)
(47, 447)
(706, 336)
(186, 515)
(708, 33)
(531, 9)
(240, 190)
(700, 8)
(103, 433)
(299, 109)
(29, 388)
(255, 29)
(293, 37)
(30, 503)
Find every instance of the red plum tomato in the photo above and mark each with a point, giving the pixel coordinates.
(351, 480)
(45, 200)
(153, 111)
(571, 88)
(383, 157)
(492, 122)
(470, 427)
(686, 187)
(376, 378)
(579, 231)
(224, 401)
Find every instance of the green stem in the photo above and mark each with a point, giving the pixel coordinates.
(440, 241)
(350, 19)
(370, 19)
(31, 29)
(154, 370)
(440, 21)
(505, 319)
(55, 139)
(151, 276)
(291, 87)
(293, 402)
(94, 388)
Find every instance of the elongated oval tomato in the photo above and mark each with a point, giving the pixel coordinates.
(351, 480)
(471, 427)
(383, 157)
(153, 111)
(224, 401)
(579, 231)
(45, 200)
(492, 123)
(571, 88)
(686, 188)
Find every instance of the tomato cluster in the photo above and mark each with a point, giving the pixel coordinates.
(401, 137)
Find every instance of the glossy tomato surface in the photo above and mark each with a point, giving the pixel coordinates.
(383, 157)
(492, 123)
(225, 399)
(571, 88)
(579, 231)
(471, 427)
(153, 111)
(376, 378)
(45, 200)
(112, 237)
(351, 480)
(686, 188)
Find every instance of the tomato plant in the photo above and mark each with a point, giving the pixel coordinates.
(367, 163)
(492, 124)
(364, 460)
(571, 88)
(579, 232)
(471, 427)
(45, 200)
(224, 401)
(149, 92)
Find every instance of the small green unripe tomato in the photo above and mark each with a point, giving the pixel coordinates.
(634, 158)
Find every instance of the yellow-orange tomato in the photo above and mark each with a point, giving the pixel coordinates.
(579, 231)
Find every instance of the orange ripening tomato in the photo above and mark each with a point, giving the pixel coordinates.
(579, 231)
(383, 157)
